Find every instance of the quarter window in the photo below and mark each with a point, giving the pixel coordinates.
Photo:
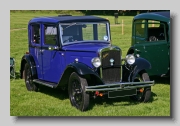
(35, 38)
(50, 35)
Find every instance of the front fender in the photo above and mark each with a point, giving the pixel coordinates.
(27, 58)
(139, 65)
(82, 70)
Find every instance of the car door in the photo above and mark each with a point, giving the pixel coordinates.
(52, 57)
(152, 45)
(34, 34)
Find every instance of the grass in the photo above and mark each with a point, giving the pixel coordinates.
(55, 102)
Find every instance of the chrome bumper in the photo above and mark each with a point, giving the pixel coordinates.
(119, 86)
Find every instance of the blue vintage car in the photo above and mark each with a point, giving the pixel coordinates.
(76, 53)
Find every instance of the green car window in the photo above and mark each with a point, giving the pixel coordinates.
(139, 28)
(156, 30)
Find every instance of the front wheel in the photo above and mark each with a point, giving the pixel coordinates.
(76, 89)
(143, 94)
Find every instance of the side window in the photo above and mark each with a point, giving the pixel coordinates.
(50, 35)
(35, 38)
(139, 28)
(156, 30)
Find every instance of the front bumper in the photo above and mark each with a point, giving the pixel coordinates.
(119, 86)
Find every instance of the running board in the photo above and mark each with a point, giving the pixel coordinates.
(45, 83)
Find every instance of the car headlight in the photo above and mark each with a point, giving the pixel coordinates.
(96, 62)
(130, 59)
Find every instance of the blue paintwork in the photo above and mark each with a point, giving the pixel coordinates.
(69, 53)
(50, 64)
(84, 52)
(35, 53)
(53, 65)
(87, 47)
(37, 57)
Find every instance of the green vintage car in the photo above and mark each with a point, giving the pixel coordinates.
(151, 40)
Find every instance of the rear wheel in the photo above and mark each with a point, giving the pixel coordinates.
(76, 89)
(143, 94)
(30, 85)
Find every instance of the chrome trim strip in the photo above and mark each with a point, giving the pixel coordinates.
(45, 84)
(122, 86)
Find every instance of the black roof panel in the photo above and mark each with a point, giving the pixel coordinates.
(67, 19)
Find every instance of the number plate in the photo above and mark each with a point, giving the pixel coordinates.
(121, 93)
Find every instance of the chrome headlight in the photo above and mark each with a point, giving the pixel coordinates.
(96, 62)
(130, 59)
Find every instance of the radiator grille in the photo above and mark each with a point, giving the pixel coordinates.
(111, 73)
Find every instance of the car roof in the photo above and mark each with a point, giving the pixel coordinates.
(67, 19)
(161, 16)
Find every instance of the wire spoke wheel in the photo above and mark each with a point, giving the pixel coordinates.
(77, 95)
(29, 79)
(143, 94)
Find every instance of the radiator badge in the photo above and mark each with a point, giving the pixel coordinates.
(105, 55)
(111, 61)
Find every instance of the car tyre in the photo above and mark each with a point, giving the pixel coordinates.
(77, 95)
(146, 94)
(30, 85)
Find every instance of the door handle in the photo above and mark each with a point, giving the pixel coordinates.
(53, 48)
(41, 50)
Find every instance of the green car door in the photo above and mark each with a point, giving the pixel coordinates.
(151, 42)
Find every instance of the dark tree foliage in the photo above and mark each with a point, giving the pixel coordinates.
(92, 12)
(120, 12)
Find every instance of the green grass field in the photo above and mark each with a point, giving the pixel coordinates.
(54, 102)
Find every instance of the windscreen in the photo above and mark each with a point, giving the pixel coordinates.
(75, 32)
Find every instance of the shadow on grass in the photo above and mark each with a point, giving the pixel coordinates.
(121, 101)
(18, 75)
(54, 92)
(161, 80)
(58, 93)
